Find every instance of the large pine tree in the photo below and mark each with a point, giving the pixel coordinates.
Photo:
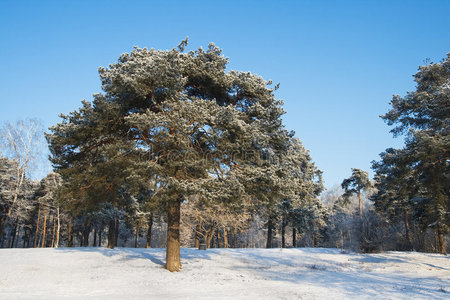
(181, 118)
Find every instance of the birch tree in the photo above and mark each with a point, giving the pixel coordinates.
(20, 141)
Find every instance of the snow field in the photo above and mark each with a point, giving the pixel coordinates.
(304, 273)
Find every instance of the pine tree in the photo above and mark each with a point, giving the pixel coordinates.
(355, 184)
(179, 117)
(424, 116)
(396, 185)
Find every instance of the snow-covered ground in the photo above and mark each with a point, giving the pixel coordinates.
(306, 273)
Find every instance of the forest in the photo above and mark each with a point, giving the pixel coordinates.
(180, 151)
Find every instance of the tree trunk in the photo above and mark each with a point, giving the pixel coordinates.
(197, 236)
(95, 237)
(14, 233)
(294, 237)
(149, 231)
(269, 233)
(360, 205)
(44, 231)
(225, 237)
(100, 236)
(136, 237)
(2, 222)
(436, 241)
(37, 226)
(26, 237)
(209, 237)
(111, 234)
(70, 234)
(53, 232)
(218, 239)
(86, 232)
(312, 240)
(283, 232)
(442, 247)
(116, 237)
(173, 262)
(407, 230)
(58, 226)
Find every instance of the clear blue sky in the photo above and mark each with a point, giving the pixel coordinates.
(338, 62)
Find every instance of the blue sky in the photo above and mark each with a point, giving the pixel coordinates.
(338, 62)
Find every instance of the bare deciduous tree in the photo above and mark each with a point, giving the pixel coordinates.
(21, 141)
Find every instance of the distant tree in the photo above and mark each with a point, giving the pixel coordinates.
(396, 186)
(355, 184)
(49, 207)
(311, 220)
(290, 180)
(22, 199)
(211, 219)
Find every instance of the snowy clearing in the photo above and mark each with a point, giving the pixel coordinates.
(305, 273)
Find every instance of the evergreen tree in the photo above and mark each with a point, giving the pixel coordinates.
(355, 184)
(424, 116)
(178, 116)
(396, 185)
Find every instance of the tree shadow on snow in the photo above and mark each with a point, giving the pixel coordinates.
(155, 255)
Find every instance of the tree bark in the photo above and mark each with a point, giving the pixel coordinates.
(136, 237)
(442, 247)
(360, 205)
(37, 226)
(407, 230)
(173, 262)
(312, 240)
(2, 222)
(53, 232)
(111, 234)
(269, 233)
(100, 236)
(283, 232)
(436, 241)
(294, 237)
(44, 231)
(149, 231)
(218, 239)
(225, 237)
(209, 237)
(86, 233)
(70, 234)
(26, 237)
(197, 236)
(11, 245)
(116, 237)
(58, 227)
(95, 237)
